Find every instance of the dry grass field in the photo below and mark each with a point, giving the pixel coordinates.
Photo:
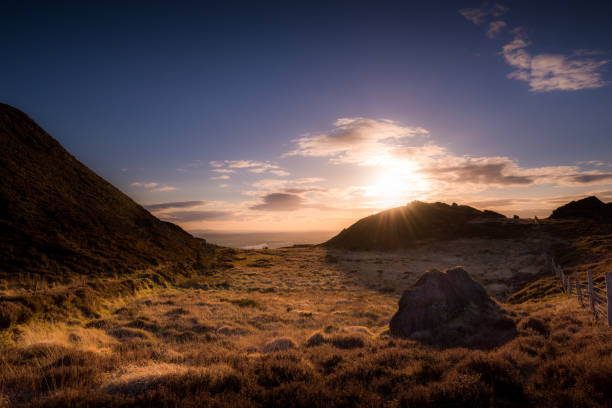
(309, 327)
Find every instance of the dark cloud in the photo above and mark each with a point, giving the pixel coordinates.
(493, 203)
(176, 204)
(279, 202)
(187, 216)
(304, 190)
(482, 173)
(588, 178)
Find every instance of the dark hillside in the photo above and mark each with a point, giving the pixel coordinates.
(404, 226)
(590, 208)
(58, 218)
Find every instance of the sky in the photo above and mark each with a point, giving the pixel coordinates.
(282, 116)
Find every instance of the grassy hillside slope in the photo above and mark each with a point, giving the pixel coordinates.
(69, 240)
(59, 219)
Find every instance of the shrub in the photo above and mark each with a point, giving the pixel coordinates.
(245, 302)
(347, 341)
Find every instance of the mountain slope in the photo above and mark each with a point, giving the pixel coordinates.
(403, 226)
(59, 218)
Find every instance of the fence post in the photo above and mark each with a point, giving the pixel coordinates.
(569, 284)
(609, 296)
(564, 280)
(552, 266)
(578, 291)
(591, 294)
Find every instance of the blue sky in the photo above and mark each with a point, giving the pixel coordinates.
(272, 116)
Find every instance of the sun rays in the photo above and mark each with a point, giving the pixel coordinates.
(397, 184)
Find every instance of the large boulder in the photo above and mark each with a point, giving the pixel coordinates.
(436, 298)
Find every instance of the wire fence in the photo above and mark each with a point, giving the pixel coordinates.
(598, 300)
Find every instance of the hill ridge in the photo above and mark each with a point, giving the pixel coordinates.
(403, 226)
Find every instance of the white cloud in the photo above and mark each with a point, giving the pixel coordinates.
(357, 140)
(544, 72)
(280, 173)
(551, 72)
(424, 164)
(222, 177)
(224, 171)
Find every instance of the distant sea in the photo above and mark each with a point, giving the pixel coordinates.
(260, 240)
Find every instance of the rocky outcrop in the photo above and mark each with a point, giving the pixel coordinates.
(436, 298)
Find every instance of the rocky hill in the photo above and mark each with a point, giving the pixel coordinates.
(404, 226)
(58, 218)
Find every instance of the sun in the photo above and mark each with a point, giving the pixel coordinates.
(397, 185)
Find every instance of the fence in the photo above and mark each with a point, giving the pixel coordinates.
(597, 299)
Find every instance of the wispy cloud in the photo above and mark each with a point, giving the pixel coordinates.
(302, 190)
(588, 177)
(495, 28)
(222, 177)
(278, 183)
(152, 186)
(279, 202)
(252, 166)
(174, 204)
(164, 188)
(204, 215)
(144, 184)
(481, 14)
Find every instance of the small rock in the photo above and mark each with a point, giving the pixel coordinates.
(315, 340)
(281, 344)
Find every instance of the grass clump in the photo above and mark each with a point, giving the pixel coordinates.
(244, 302)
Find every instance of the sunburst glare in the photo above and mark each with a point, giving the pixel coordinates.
(397, 185)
